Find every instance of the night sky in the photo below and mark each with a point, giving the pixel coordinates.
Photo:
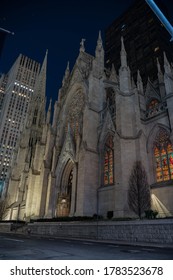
(57, 26)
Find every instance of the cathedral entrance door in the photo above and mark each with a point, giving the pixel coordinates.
(64, 197)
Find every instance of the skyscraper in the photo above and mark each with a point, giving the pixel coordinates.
(3, 83)
(145, 39)
(16, 89)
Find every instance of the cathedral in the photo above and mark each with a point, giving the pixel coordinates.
(79, 163)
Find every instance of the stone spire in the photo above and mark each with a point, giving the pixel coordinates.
(40, 88)
(67, 74)
(82, 47)
(124, 71)
(113, 76)
(167, 66)
(168, 76)
(141, 95)
(160, 79)
(67, 71)
(99, 47)
(140, 86)
(159, 72)
(49, 112)
(98, 63)
(55, 114)
(123, 54)
(38, 100)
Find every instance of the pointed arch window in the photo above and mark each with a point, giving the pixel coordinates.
(109, 162)
(153, 104)
(163, 154)
(153, 107)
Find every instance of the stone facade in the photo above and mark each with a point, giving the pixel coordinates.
(61, 168)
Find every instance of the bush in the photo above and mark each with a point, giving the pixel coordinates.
(65, 219)
(97, 217)
(150, 214)
(110, 214)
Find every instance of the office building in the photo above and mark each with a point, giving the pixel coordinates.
(16, 89)
(145, 39)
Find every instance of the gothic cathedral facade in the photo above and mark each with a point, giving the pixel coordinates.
(79, 165)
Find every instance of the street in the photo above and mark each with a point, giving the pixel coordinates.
(16, 247)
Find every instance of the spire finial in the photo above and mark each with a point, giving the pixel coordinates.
(67, 71)
(68, 65)
(113, 76)
(99, 42)
(123, 53)
(82, 47)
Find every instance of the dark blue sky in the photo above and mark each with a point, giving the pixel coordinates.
(57, 26)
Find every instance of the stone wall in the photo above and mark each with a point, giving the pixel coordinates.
(151, 231)
(5, 227)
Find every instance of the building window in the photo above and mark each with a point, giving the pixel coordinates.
(109, 161)
(163, 154)
(153, 107)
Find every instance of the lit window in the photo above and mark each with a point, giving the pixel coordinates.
(109, 162)
(163, 153)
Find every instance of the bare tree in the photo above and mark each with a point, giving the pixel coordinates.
(139, 198)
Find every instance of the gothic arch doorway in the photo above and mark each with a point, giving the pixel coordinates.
(64, 197)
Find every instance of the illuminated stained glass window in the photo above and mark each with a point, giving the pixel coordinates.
(109, 162)
(163, 153)
(153, 104)
(153, 107)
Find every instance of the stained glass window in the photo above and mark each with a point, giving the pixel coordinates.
(153, 104)
(163, 153)
(109, 162)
